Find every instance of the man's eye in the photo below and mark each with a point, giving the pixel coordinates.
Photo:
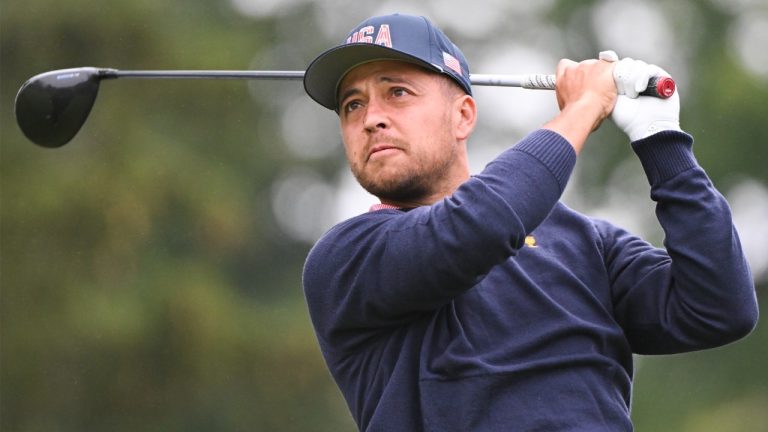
(351, 106)
(399, 91)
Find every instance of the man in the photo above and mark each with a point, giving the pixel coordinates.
(481, 303)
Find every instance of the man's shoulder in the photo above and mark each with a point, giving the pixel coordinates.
(361, 223)
(354, 231)
(562, 214)
(566, 219)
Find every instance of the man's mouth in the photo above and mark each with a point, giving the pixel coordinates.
(382, 150)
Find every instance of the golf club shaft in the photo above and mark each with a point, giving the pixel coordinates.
(203, 74)
(536, 81)
(661, 87)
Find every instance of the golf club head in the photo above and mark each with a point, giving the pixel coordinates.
(52, 107)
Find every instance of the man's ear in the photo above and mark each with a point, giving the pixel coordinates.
(465, 111)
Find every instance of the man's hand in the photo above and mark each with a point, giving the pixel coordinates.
(586, 94)
(588, 86)
(642, 116)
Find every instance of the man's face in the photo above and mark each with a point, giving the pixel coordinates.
(398, 122)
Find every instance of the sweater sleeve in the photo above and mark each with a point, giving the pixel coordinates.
(699, 292)
(386, 267)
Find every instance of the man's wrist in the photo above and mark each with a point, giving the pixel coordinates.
(576, 121)
(655, 127)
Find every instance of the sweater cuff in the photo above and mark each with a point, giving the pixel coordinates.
(553, 151)
(665, 155)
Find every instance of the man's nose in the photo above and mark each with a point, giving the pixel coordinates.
(375, 115)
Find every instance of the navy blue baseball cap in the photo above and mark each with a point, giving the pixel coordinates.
(408, 38)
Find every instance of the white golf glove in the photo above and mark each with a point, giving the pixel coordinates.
(641, 116)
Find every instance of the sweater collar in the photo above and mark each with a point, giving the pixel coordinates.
(377, 207)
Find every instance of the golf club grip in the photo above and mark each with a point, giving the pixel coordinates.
(661, 87)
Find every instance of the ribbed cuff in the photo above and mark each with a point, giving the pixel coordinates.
(553, 151)
(665, 155)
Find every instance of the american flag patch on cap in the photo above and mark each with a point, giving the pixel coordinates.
(452, 63)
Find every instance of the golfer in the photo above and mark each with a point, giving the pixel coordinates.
(480, 302)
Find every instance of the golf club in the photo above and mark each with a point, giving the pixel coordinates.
(52, 107)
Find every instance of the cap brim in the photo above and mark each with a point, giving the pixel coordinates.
(323, 75)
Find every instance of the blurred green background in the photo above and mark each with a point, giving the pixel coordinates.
(151, 268)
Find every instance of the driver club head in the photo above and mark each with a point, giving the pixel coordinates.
(52, 107)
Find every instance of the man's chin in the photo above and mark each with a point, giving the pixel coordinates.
(398, 192)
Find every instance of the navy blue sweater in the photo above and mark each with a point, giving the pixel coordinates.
(500, 309)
